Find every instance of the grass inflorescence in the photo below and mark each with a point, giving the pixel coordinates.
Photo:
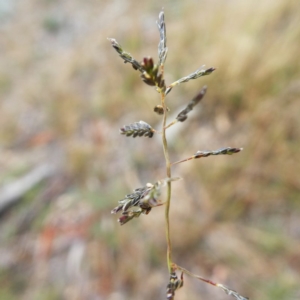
(143, 199)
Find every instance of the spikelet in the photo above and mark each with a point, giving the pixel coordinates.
(151, 76)
(199, 154)
(222, 151)
(160, 110)
(162, 45)
(140, 128)
(174, 284)
(126, 56)
(182, 116)
(141, 201)
(198, 73)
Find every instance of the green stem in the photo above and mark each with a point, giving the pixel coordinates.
(168, 169)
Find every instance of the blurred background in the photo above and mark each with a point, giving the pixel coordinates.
(63, 165)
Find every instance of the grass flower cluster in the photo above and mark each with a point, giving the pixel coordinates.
(143, 199)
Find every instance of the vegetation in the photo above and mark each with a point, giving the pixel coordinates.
(64, 97)
(143, 199)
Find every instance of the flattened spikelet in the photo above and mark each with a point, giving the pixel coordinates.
(140, 128)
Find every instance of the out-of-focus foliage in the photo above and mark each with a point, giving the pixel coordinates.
(65, 94)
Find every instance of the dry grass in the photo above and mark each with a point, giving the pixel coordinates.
(64, 96)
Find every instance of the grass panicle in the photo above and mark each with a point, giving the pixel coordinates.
(143, 199)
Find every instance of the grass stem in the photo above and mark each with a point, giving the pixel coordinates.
(168, 170)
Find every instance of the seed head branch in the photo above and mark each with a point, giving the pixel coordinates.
(126, 56)
(162, 45)
(226, 289)
(182, 116)
(199, 154)
(198, 73)
(141, 201)
(231, 292)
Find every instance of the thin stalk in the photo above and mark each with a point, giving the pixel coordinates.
(171, 124)
(183, 160)
(168, 170)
